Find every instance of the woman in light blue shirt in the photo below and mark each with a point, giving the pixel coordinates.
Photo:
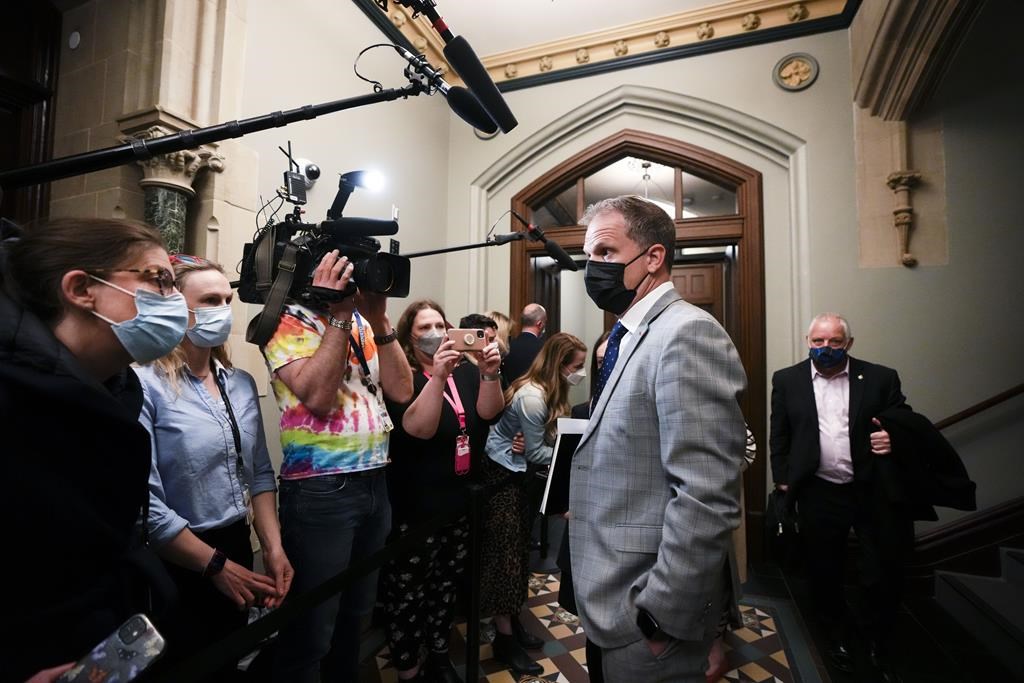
(211, 474)
(535, 402)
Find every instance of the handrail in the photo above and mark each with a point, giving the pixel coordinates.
(979, 407)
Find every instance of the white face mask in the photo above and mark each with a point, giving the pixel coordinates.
(575, 378)
(159, 323)
(213, 325)
(429, 342)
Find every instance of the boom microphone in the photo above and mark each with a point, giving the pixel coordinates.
(461, 101)
(358, 227)
(465, 62)
(554, 250)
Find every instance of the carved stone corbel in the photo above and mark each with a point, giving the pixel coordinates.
(167, 184)
(901, 183)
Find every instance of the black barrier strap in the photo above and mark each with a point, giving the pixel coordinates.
(241, 642)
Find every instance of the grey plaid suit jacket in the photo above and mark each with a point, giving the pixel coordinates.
(654, 491)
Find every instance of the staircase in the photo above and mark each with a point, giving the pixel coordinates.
(990, 608)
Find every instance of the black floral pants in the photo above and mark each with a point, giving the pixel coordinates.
(419, 591)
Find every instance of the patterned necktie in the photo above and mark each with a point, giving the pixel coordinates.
(611, 354)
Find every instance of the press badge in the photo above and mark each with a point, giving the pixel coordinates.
(462, 454)
(382, 413)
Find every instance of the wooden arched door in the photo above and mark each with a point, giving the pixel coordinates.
(719, 262)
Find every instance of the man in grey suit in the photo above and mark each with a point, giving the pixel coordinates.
(654, 492)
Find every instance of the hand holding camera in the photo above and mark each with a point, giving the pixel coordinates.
(334, 272)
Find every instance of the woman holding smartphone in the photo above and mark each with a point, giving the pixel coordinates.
(81, 300)
(535, 402)
(211, 474)
(437, 445)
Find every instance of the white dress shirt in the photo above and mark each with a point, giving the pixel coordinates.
(832, 398)
(632, 318)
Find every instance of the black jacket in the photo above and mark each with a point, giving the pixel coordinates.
(76, 464)
(795, 450)
(924, 469)
(521, 352)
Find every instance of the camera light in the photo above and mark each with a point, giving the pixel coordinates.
(370, 180)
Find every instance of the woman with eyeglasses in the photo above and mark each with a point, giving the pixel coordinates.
(81, 300)
(211, 475)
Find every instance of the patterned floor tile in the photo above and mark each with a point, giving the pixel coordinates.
(758, 652)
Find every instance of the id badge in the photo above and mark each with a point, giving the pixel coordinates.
(382, 414)
(462, 454)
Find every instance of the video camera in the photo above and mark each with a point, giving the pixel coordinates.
(373, 271)
(280, 262)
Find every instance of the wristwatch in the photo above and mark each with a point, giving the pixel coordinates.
(649, 626)
(386, 339)
(216, 563)
(340, 324)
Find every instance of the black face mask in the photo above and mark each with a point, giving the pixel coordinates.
(606, 287)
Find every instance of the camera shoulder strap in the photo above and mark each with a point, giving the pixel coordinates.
(261, 328)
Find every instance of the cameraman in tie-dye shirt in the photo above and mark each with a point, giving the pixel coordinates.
(331, 369)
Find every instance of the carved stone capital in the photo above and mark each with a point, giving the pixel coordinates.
(902, 180)
(176, 170)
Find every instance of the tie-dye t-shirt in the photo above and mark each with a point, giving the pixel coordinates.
(352, 437)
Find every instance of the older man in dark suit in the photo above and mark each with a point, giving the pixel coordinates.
(827, 447)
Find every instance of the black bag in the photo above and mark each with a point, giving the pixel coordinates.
(782, 530)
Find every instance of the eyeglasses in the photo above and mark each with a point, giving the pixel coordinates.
(161, 277)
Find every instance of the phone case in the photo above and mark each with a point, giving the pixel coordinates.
(121, 657)
(467, 339)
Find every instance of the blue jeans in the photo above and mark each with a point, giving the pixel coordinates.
(326, 523)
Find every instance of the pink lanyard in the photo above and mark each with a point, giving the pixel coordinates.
(454, 400)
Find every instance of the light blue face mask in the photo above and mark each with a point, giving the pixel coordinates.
(159, 323)
(213, 325)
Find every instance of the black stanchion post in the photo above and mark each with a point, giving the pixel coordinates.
(473, 613)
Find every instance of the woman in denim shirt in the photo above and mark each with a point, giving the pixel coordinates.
(535, 402)
(211, 474)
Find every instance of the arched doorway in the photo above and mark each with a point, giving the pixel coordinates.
(719, 261)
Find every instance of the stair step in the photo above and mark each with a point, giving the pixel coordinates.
(1013, 565)
(991, 609)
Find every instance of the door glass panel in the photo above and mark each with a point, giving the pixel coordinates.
(558, 210)
(703, 197)
(631, 175)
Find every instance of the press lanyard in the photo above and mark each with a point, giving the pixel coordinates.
(357, 348)
(455, 401)
(462, 450)
(237, 436)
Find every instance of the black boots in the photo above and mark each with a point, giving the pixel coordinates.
(510, 653)
(438, 668)
(524, 637)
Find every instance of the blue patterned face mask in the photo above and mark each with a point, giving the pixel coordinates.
(213, 325)
(159, 323)
(827, 357)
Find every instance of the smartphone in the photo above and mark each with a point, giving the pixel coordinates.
(121, 657)
(467, 340)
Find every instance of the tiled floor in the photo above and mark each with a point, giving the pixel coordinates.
(770, 647)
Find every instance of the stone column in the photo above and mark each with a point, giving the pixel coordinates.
(167, 184)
